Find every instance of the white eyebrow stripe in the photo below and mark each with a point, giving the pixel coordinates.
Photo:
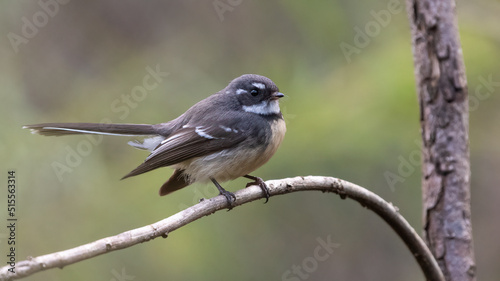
(259, 85)
(240, 91)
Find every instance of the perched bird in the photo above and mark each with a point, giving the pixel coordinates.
(225, 136)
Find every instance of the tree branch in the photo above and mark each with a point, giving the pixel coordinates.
(345, 189)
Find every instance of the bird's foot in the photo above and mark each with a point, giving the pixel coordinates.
(230, 197)
(258, 181)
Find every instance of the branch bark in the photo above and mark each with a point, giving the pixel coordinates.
(344, 189)
(442, 92)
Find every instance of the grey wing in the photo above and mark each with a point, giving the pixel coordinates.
(189, 142)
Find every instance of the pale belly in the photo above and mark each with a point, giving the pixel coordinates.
(230, 164)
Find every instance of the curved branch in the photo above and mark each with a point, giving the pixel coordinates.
(209, 206)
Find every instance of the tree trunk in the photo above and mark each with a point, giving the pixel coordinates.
(442, 93)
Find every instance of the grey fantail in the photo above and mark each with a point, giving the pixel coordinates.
(225, 136)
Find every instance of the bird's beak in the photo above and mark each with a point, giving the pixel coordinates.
(277, 95)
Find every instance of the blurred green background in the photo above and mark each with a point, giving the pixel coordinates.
(351, 115)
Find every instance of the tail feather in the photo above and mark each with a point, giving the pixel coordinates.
(61, 129)
(177, 181)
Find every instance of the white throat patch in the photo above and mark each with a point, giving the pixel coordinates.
(264, 108)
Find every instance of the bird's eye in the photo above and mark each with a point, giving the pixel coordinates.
(254, 92)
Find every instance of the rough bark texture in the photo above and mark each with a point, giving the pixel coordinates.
(442, 92)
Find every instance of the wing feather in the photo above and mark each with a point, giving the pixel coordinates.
(189, 142)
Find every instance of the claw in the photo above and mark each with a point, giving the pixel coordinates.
(258, 181)
(230, 197)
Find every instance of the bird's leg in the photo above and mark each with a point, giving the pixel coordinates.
(229, 195)
(258, 181)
